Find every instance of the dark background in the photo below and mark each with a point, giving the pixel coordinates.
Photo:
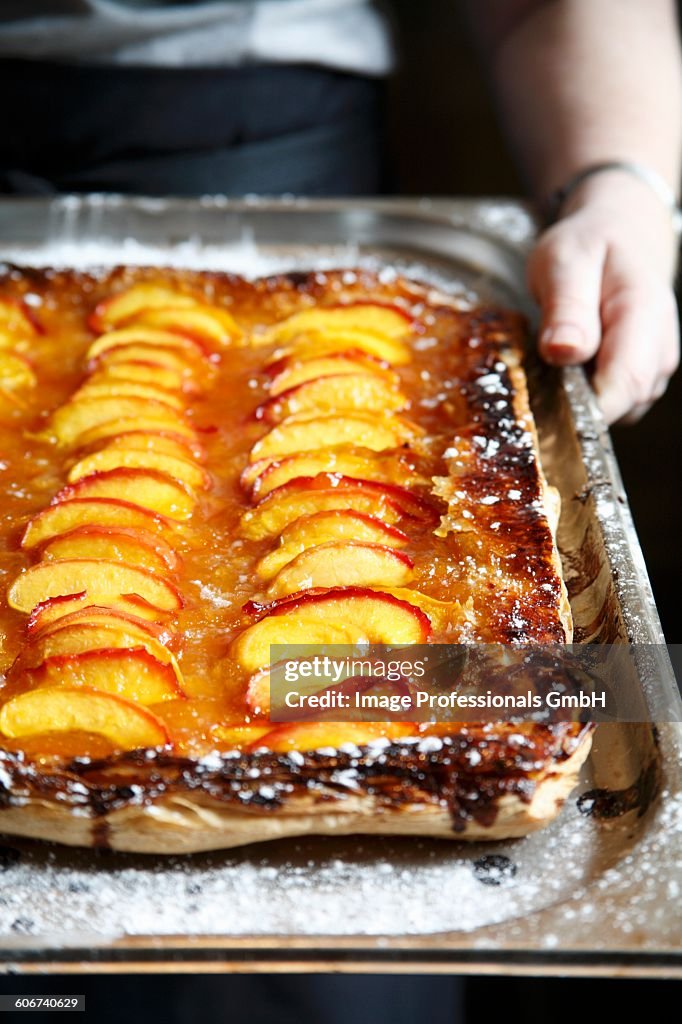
(444, 139)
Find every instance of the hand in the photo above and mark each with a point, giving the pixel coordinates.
(602, 276)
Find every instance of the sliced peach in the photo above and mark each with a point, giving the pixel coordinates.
(330, 735)
(291, 372)
(182, 470)
(188, 364)
(304, 433)
(134, 336)
(87, 637)
(333, 394)
(378, 318)
(128, 389)
(345, 615)
(265, 475)
(203, 323)
(67, 709)
(15, 371)
(144, 487)
(138, 299)
(158, 425)
(157, 441)
(303, 496)
(144, 372)
(59, 609)
(41, 622)
(321, 527)
(79, 638)
(88, 630)
(77, 417)
(16, 318)
(272, 516)
(69, 515)
(343, 564)
(389, 351)
(133, 674)
(96, 577)
(134, 547)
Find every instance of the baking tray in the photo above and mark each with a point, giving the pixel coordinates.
(590, 894)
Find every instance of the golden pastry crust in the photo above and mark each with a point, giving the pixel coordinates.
(165, 801)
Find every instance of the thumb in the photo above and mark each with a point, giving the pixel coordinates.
(565, 277)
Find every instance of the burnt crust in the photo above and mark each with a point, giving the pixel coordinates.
(481, 784)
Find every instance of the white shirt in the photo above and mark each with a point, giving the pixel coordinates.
(349, 35)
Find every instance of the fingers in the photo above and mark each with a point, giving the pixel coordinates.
(640, 346)
(565, 276)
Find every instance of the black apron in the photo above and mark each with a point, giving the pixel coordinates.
(169, 131)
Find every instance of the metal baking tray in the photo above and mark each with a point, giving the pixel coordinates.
(589, 894)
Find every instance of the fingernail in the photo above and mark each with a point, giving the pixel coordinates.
(562, 343)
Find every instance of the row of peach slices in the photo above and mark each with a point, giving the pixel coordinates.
(335, 481)
(18, 328)
(105, 585)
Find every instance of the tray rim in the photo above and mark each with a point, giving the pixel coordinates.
(452, 951)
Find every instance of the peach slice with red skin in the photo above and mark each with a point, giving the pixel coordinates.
(147, 488)
(60, 609)
(134, 547)
(313, 345)
(334, 394)
(379, 318)
(290, 372)
(139, 298)
(144, 372)
(72, 708)
(343, 615)
(308, 736)
(69, 641)
(96, 577)
(15, 371)
(202, 323)
(128, 389)
(324, 492)
(304, 432)
(107, 512)
(131, 673)
(343, 564)
(156, 441)
(184, 471)
(322, 527)
(191, 349)
(41, 624)
(77, 417)
(130, 430)
(189, 364)
(259, 478)
(17, 318)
